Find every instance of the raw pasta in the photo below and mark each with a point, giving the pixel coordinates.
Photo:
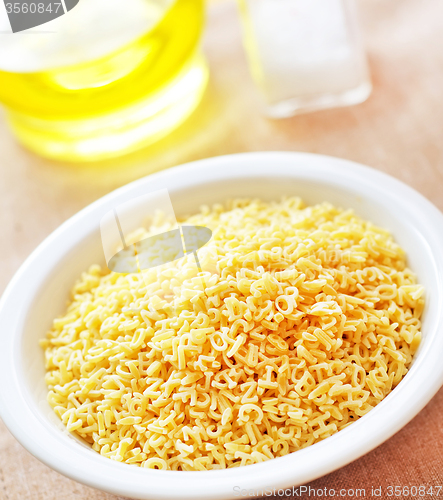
(301, 321)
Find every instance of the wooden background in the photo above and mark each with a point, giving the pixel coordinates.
(399, 130)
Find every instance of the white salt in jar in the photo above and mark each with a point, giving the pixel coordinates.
(305, 54)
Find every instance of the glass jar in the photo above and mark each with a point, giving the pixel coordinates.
(106, 78)
(305, 54)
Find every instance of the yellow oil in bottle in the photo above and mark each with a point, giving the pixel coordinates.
(118, 102)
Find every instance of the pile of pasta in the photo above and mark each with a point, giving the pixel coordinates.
(301, 320)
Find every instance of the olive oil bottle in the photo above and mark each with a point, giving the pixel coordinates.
(114, 76)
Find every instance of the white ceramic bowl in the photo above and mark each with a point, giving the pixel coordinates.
(39, 292)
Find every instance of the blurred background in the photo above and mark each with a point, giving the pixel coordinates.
(398, 130)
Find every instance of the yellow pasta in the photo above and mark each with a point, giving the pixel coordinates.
(300, 322)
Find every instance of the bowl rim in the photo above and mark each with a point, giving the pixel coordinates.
(90, 468)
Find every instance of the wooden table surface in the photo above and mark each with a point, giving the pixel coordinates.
(399, 130)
